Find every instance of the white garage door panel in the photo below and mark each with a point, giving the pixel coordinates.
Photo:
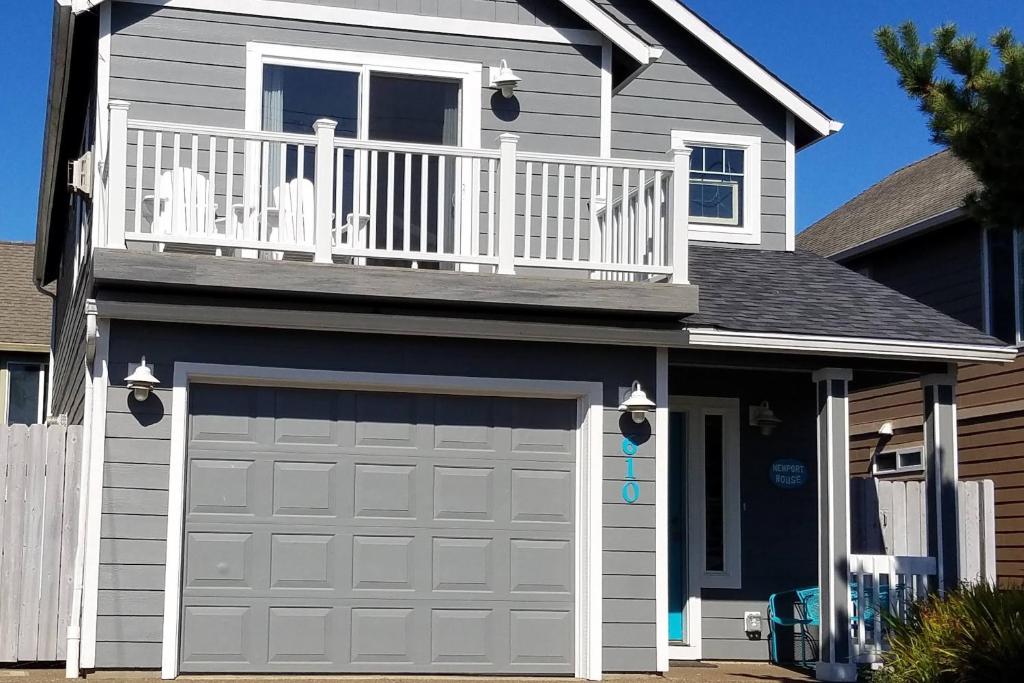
(331, 531)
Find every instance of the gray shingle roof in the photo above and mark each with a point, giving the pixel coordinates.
(24, 310)
(926, 188)
(799, 292)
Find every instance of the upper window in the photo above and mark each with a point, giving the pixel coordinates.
(725, 186)
(1003, 252)
(26, 391)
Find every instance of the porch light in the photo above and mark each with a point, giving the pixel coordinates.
(637, 404)
(504, 79)
(886, 430)
(763, 417)
(142, 381)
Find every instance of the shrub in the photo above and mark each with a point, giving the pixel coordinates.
(974, 634)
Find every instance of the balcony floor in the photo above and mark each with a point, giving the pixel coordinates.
(392, 285)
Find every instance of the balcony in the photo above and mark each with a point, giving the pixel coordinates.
(324, 199)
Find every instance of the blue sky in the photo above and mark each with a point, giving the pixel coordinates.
(824, 48)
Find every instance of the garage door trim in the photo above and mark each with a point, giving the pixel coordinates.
(589, 399)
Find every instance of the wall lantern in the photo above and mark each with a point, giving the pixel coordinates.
(142, 381)
(504, 79)
(637, 404)
(886, 430)
(763, 417)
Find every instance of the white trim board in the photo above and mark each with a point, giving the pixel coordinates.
(589, 466)
(312, 12)
(618, 34)
(706, 337)
(661, 511)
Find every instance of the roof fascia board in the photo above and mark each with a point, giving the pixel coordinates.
(620, 36)
(849, 346)
(391, 20)
(794, 102)
(900, 234)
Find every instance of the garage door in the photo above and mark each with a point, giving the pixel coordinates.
(340, 531)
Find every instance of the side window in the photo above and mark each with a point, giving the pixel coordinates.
(25, 393)
(1003, 292)
(899, 461)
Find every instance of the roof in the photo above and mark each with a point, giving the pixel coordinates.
(627, 41)
(797, 292)
(926, 192)
(24, 310)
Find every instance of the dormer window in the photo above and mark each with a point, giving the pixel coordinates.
(725, 186)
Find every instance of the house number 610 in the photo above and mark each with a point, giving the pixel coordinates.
(631, 489)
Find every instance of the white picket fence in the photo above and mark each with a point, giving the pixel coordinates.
(880, 584)
(39, 489)
(889, 518)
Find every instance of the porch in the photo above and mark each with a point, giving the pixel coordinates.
(323, 197)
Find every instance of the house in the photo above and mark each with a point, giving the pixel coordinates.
(24, 337)
(481, 342)
(910, 232)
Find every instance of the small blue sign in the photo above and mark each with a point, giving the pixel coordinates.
(789, 474)
(631, 489)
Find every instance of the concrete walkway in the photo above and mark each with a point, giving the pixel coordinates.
(719, 672)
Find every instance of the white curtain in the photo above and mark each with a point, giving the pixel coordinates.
(273, 120)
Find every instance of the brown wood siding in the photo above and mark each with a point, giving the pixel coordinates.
(940, 268)
(990, 438)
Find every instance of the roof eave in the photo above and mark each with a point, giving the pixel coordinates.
(714, 338)
(898, 235)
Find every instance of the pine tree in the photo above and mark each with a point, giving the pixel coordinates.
(978, 112)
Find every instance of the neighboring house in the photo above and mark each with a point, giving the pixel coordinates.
(911, 232)
(403, 309)
(24, 337)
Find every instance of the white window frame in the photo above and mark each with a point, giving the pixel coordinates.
(900, 468)
(749, 231)
(41, 408)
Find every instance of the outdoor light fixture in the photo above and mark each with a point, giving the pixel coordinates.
(886, 430)
(504, 79)
(142, 381)
(637, 404)
(763, 417)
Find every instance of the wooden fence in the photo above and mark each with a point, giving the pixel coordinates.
(889, 518)
(39, 490)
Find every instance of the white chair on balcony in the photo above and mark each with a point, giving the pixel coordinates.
(182, 208)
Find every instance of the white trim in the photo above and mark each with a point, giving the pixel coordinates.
(848, 346)
(661, 512)
(94, 508)
(986, 285)
(589, 396)
(790, 182)
(622, 37)
(606, 100)
(749, 232)
(761, 77)
(100, 136)
(310, 12)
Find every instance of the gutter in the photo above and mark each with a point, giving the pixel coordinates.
(900, 234)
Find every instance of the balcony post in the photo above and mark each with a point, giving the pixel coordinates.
(117, 173)
(678, 219)
(507, 205)
(323, 242)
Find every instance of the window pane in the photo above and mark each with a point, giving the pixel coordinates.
(716, 185)
(885, 462)
(697, 159)
(24, 396)
(734, 161)
(910, 459)
(295, 97)
(714, 493)
(1002, 323)
(414, 110)
(714, 159)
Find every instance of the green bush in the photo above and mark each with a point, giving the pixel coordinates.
(974, 634)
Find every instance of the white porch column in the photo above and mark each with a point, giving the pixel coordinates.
(940, 464)
(835, 661)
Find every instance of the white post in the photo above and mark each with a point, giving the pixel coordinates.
(835, 656)
(677, 223)
(323, 242)
(117, 173)
(941, 475)
(507, 205)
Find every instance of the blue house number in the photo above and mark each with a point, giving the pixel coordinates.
(631, 489)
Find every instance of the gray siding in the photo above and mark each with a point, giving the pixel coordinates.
(69, 336)
(185, 66)
(138, 450)
(778, 527)
(526, 12)
(691, 88)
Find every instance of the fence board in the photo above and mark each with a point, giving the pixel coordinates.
(39, 493)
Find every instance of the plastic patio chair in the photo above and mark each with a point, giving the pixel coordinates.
(805, 606)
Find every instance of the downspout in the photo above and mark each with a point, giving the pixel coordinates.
(72, 668)
(50, 362)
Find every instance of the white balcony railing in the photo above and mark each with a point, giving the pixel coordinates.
(325, 199)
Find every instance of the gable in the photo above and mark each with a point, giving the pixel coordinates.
(522, 12)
